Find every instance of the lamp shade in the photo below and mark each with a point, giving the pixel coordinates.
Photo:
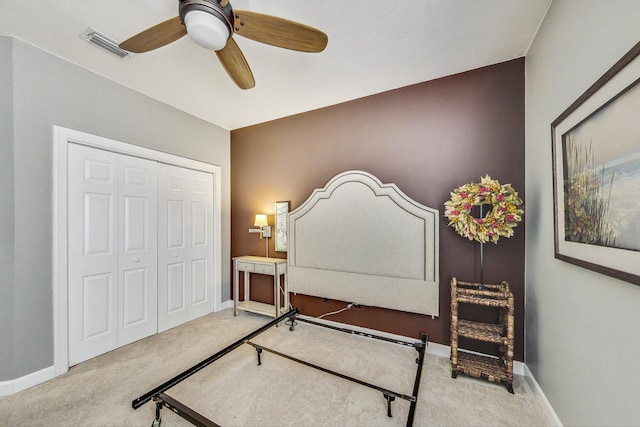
(206, 29)
(261, 220)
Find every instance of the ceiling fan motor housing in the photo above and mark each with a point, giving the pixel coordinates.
(213, 7)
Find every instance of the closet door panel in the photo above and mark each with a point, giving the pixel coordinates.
(97, 311)
(137, 261)
(135, 298)
(201, 238)
(185, 245)
(199, 281)
(176, 288)
(93, 254)
(173, 222)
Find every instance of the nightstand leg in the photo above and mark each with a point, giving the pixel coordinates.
(235, 287)
(276, 294)
(247, 281)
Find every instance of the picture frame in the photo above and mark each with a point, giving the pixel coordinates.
(281, 212)
(596, 171)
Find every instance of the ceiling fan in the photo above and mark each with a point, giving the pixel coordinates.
(212, 23)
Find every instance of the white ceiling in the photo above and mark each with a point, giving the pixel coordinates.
(374, 46)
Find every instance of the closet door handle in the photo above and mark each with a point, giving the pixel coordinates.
(136, 260)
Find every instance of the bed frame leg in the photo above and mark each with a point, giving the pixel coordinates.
(259, 351)
(389, 400)
(291, 322)
(158, 420)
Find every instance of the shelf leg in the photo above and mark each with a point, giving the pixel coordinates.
(509, 387)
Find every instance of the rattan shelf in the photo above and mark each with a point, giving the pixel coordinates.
(492, 368)
(488, 332)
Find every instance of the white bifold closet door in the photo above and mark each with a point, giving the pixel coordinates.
(140, 248)
(185, 247)
(112, 239)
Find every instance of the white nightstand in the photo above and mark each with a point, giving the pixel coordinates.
(275, 267)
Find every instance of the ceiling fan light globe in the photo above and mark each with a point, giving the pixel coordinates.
(206, 29)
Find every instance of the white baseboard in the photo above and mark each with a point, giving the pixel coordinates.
(546, 406)
(14, 386)
(226, 304)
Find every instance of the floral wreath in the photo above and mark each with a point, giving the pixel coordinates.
(505, 213)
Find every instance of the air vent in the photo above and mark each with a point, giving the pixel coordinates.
(102, 41)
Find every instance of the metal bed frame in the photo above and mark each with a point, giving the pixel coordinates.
(161, 399)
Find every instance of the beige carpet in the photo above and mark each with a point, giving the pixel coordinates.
(235, 391)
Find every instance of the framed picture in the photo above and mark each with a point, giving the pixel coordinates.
(596, 174)
(282, 210)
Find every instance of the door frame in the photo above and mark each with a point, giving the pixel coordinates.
(62, 137)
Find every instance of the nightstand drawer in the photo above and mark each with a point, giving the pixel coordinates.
(246, 266)
(264, 269)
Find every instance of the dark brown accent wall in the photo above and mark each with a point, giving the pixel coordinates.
(428, 139)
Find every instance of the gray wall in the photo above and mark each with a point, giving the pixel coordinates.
(6, 206)
(49, 91)
(582, 339)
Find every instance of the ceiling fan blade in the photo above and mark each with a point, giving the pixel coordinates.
(236, 65)
(279, 32)
(157, 36)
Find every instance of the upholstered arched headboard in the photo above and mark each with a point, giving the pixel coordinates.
(358, 240)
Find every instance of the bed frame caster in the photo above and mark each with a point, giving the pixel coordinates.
(389, 400)
(291, 322)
